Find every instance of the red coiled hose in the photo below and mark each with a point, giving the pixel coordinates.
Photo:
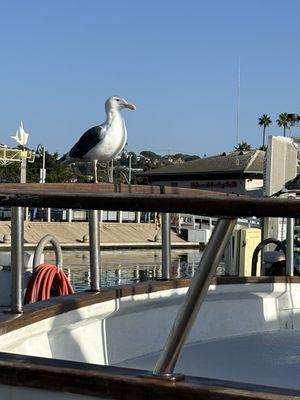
(47, 280)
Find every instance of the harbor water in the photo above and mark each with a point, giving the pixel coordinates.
(126, 266)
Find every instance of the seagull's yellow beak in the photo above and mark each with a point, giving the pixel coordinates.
(130, 106)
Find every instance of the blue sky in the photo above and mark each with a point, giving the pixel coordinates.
(176, 60)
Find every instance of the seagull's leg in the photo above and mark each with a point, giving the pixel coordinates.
(110, 172)
(95, 171)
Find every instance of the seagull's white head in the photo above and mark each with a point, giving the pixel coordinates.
(118, 103)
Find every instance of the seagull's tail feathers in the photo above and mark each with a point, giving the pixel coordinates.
(66, 159)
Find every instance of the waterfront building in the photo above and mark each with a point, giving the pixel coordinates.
(236, 172)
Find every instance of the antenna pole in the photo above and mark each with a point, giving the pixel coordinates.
(238, 103)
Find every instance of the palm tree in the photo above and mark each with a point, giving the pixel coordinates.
(243, 146)
(264, 121)
(283, 121)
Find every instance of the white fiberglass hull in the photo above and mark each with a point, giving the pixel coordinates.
(244, 333)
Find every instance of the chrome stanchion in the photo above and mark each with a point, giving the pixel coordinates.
(194, 298)
(290, 227)
(70, 214)
(17, 259)
(95, 261)
(166, 245)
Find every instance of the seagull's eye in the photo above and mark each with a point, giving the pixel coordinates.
(118, 99)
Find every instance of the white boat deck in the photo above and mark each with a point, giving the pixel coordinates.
(271, 358)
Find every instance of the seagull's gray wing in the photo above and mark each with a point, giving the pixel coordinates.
(88, 140)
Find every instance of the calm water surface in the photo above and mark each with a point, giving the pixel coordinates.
(126, 266)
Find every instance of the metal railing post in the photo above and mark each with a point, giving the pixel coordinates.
(120, 217)
(290, 227)
(166, 245)
(17, 259)
(48, 212)
(95, 261)
(70, 215)
(137, 217)
(194, 298)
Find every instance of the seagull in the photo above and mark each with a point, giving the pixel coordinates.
(102, 142)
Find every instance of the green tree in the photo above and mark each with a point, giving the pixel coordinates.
(191, 158)
(264, 121)
(243, 146)
(133, 159)
(284, 121)
(149, 154)
(56, 172)
(186, 157)
(10, 173)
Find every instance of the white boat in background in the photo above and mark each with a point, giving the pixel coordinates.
(198, 228)
(124, 342)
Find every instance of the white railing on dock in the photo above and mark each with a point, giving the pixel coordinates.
(70, 215)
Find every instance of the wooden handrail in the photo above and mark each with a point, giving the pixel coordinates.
(124, 383)
(145, 198)
(92, 188)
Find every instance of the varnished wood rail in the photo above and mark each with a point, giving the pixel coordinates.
(145, 198)
(123, 383)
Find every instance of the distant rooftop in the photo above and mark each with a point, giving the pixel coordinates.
(236, 163)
